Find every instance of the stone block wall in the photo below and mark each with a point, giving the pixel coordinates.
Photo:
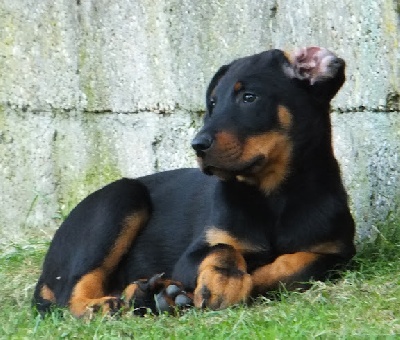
(91, 90)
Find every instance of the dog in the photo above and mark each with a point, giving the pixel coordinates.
(266, 208)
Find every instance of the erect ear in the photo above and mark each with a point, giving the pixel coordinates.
(215, 79)
(319, 68)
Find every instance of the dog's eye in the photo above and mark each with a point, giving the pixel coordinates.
(211, 105)
(249, 97)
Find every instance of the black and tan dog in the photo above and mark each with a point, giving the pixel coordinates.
(274, 212)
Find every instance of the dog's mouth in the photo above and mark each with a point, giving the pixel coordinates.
(247, 168)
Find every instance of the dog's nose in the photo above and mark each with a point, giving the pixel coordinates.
(201, 143)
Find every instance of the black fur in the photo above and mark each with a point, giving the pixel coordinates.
(305, 209)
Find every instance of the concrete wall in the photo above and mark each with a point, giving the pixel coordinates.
(91, 90)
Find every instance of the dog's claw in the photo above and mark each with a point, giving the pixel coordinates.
(182, 300)
(160, 295)
(173, 290)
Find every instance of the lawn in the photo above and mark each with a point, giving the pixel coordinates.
(365, 303)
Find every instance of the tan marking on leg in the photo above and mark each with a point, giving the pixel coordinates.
(89, 292)
(129, 291)
(132, 225)
(281, 270)
(216, 236)
(90, 289)
(47, 294)
(222, 280)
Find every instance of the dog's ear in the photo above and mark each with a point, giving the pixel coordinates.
(319, 68)
(215, 79)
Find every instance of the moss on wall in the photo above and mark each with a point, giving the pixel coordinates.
(83, 162)
(96, 175)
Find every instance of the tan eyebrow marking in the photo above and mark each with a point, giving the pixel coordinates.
(238, 86)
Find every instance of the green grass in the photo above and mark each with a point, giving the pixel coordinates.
(365, 303)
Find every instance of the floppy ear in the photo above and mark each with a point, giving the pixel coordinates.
(320, 68)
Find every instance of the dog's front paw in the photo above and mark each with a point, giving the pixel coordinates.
(157, 294)
(222, 280)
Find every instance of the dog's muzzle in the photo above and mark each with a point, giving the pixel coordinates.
(201, 143)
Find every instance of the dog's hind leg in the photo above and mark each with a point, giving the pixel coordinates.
(91, 291)
(87, 249)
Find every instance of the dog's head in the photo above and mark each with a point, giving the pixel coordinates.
(264, 111)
